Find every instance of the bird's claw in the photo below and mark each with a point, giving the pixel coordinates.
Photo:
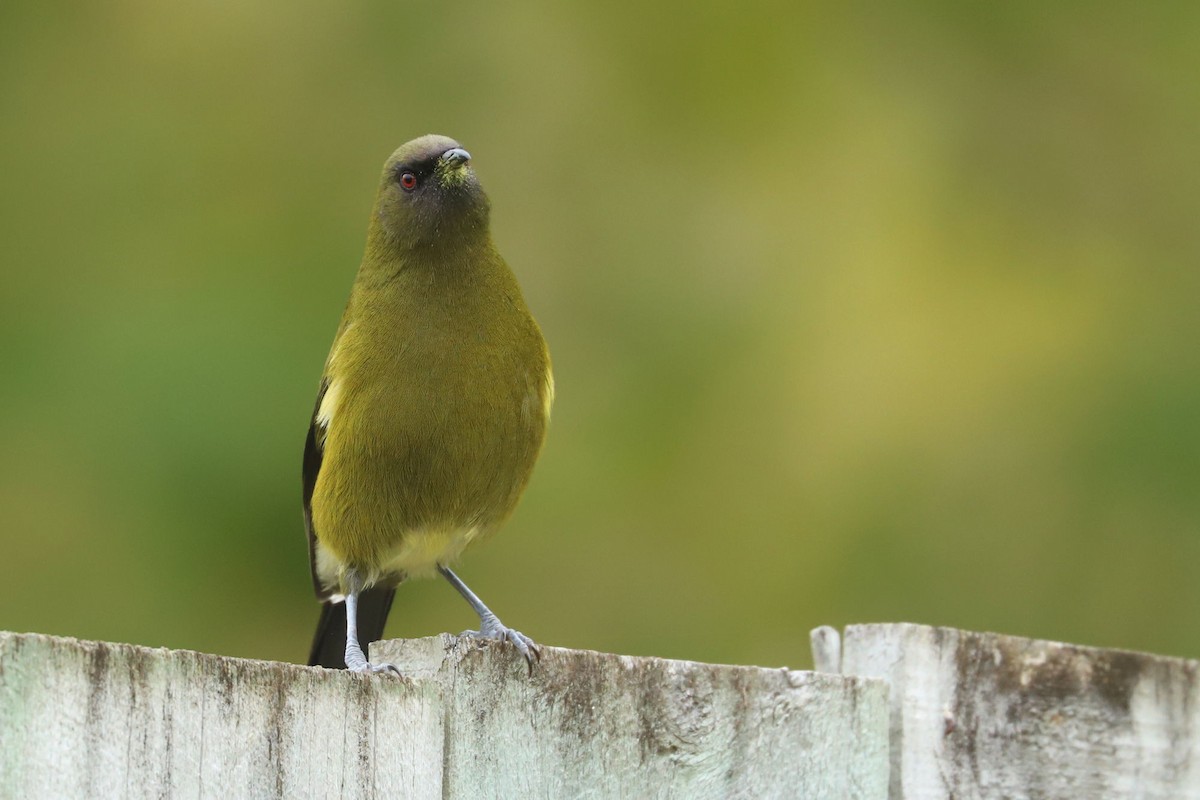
(492, 628)
(367, 668)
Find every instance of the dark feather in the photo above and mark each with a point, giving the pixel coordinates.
(329, 643)
(314, 451)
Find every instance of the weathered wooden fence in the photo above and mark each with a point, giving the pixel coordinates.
(980, 715)
(916, 712)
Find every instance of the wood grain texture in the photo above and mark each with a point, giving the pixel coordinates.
(596, 725)
(95, 720)
(981, 715)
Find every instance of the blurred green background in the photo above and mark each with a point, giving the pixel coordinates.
(859, 312)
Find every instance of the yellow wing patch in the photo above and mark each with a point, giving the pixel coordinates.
(329, 404)
(548, 393)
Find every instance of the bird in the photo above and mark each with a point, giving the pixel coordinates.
(432, 406)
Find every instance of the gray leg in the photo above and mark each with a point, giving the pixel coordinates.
(490, 626)
(356, 660)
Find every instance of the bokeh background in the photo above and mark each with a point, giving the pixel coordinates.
(859, 312)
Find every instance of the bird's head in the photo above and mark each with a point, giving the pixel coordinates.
(429, 194)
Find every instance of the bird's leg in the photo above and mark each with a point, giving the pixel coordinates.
(356, 660)
(490, 626)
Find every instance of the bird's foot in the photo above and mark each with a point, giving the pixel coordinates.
(367, 668)
(492, 628)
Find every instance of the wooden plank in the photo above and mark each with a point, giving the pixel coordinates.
(981, 715)
(588, 724)
(87, 719)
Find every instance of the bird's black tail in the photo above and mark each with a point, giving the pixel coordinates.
(329, 644)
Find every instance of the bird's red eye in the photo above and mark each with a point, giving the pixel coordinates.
(408, 181)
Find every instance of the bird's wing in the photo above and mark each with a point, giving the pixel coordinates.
(314, 451)
(328, 647)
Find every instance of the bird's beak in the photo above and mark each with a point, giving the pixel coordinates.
(456, 157)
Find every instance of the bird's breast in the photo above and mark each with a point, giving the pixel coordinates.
(429, 441)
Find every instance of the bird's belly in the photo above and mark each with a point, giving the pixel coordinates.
(418, 553)
(400, 505)
(414, 472)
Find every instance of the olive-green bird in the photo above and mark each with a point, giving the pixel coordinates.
(431, 410)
